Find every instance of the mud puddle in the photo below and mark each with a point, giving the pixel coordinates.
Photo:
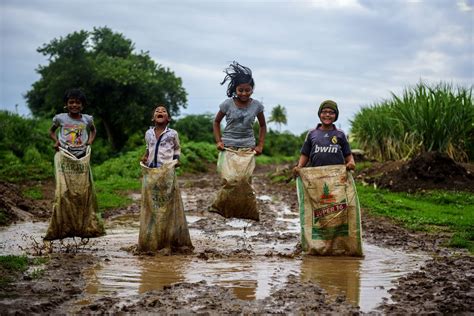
(240, 255)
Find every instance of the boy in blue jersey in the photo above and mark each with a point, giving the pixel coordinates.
(326, 145)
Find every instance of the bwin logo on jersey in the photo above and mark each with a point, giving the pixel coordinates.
(325, 149)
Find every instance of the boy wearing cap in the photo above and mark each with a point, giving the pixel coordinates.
(326, 145)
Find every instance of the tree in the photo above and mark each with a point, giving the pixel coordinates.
(278, 116)
(196, 127)
(122, 87)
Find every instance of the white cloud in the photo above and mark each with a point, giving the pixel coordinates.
(301, 51)
(465, 5)
(336, 4)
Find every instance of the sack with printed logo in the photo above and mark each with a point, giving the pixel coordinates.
(75, 209)
(236, 198)
(329, 212)
(162, 219)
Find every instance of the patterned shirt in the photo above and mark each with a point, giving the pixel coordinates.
(326, 147)
(168, 147)
(73, 132)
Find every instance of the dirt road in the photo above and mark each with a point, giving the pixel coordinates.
(239, 266)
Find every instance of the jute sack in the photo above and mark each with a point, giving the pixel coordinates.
(75, 209)
(236, 198)
(329, 212)
(162, 220)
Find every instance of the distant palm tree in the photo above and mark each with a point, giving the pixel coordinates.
(278, 116)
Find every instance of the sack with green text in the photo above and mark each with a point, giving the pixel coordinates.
(236, 197)
(329, 212)
(75, 209)
(162, 219)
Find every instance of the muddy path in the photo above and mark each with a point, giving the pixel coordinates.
(238, 266)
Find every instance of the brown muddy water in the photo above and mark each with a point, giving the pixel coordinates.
(253, 259)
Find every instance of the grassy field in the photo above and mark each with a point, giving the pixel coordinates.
(432, 212)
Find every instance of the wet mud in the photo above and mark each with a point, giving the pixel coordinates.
(238, 266)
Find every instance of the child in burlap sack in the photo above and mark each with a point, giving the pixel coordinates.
(162, 220)
(237, 144)
(328, 202)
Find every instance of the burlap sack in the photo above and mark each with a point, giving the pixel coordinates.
(236, 198)
(75, 209)
(162, 220)
(329, 212)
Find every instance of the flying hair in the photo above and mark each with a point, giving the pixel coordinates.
(237, 74)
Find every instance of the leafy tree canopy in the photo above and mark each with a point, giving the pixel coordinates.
(196, 127)
(122, 87)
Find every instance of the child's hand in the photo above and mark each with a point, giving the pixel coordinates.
(350, 165)
(144, 159)
(56, 145)
(220, 146)
(258, 150)
(296, 171)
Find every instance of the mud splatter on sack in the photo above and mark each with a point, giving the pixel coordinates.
(75, 209)
(329, 211)
(236, 198)
(162, 220)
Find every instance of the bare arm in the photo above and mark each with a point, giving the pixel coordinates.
(262, 133)
(301, 163)
(145, 157)
(92, 134)
(53, 136)
(216, 127)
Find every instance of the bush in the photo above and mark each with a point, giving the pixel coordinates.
(425, 118)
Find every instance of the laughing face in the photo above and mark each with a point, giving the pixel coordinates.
(160, 116)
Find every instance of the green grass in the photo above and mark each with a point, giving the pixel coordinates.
(34, 193)
(432, 212)
(111, 192)
(13, 265)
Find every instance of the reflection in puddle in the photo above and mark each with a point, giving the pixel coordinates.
(364, 281)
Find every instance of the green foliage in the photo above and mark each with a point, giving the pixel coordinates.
(101, 150)
(116, 176)
(196, 128)
(196, 156)
(435, 211)
(25, 148)
(34, 193)
(282, 144)
(425, 118)
(126, 165)
(121, 86)
(14, 263)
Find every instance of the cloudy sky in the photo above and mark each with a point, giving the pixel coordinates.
(302, 52)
